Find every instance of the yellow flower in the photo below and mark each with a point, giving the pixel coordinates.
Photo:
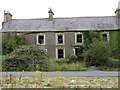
(58, 71)
(37, 72)
(26, 72)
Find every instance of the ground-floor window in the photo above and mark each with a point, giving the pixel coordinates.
(78, 51)
(60, 53)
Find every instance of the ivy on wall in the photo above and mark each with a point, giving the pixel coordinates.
(89, 35)
(113, 41)
(113, 35)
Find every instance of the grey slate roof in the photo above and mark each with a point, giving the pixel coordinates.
(62, 24)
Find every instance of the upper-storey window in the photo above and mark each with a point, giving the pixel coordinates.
(41, 39)
(59, 38)
(105, 36)
(78, 38)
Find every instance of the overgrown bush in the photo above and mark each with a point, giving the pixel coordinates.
(88, 37)
(26, 58)
(79, 66)
(97, 54)
(115, 53)
(12, 43)
(72, 59)
(112, 63)
(61, 61)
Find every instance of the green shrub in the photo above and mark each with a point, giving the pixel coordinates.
(112, 63)
(88, 37)
(80, 49)
(72, 59)
(79, 66)
(11, 44)
(61, 60)
(115, 53)
(26, 58)
(97, 54)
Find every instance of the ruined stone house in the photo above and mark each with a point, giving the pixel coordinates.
(59, 36)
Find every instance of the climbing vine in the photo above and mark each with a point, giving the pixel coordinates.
(88, 37)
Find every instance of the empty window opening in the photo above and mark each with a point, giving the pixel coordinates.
(79, 38)
(60, 53)
(41, 39)
(78, 51)
(104, 37)
(60, 39)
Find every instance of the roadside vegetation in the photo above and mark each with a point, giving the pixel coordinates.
(26, 58)
(103, 55)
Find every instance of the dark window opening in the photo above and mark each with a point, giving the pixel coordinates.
(60, 53)
(78, 51)
(41, 39)
(79, 38)
(60, 39)
(104, 37)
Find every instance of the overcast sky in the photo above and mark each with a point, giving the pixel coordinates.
(24, 9)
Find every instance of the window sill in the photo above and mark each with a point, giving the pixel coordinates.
(41, 44)
(79, 43)
(60, 44)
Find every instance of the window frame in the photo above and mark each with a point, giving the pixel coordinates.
(40, 34)
(57, 39)
(107, 33)
(57, 52)
(45, 50)
(18, 34)
(76, 38)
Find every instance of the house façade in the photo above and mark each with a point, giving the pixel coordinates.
(59, 36)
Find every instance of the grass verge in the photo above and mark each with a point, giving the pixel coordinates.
(79, 66)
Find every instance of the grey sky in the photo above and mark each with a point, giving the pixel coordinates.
(24, 9)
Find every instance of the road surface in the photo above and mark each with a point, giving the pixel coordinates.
(68, 73)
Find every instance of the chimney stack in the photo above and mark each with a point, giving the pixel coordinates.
(50, 14)
(117, 12)
(7, 17)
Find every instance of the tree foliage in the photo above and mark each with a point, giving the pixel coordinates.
(26, 58)
(97, 53)
(11, 44)
(88, 37)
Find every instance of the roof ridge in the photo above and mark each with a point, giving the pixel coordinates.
(65, 17)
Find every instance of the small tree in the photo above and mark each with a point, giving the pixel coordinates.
(98, 53)
(12, 43)
(26, 58)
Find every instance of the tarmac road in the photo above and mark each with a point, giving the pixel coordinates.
(68, 73)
